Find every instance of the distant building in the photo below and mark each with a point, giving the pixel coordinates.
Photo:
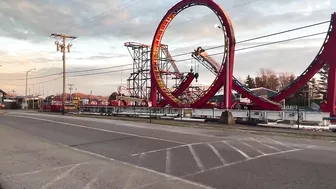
(260, 91)
(264, 92)
(2, 95)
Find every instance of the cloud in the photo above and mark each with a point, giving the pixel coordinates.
(27, 24)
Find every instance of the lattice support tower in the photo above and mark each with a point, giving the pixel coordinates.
(139, 81)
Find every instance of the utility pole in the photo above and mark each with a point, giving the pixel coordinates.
(70, 88)
(90, 96)
(62, 45)
(33, 96)
(26, 103)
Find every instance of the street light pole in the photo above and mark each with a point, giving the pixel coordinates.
(70, 88)
(227, 76)
(27, 85)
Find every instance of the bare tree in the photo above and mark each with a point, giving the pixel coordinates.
(285, 79)
(267, 78)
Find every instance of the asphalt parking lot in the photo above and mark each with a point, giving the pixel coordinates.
(43, 151)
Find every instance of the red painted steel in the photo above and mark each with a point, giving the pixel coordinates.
(180, 89)
(261, 103)
(324, 56)
(158, 84)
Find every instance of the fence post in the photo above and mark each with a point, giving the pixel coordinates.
(249, 117)
(298, 120)
(150, 115)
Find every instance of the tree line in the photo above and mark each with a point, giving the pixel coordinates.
(315, 89)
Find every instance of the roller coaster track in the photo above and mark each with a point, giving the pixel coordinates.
(157, 84)
(180, 89)
(325, 55)
(177, 72)
(201, 56)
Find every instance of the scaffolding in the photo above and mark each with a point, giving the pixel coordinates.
(139, 80)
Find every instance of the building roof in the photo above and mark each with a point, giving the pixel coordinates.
(3, 92)
(263, 88)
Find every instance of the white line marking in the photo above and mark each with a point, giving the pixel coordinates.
(43, 170)
(171, 177)
(168, 177)
(66, 173)
(277, 142)
(168, 161)
(164, 149)
(245, 160)
(239, 151)
(159, 150)
(332, 141)
(197, 159)
(129, 182)
(123, 123)
(272, 147)
(263, 153)
(91, 182)
(94, 179)
(102, 130)
(141, 158)
(217, 153)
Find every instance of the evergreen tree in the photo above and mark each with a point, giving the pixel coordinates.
(313, 89)
(249, 82)
(323, 81)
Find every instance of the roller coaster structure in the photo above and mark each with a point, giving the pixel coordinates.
(326, 55)
(157, 84)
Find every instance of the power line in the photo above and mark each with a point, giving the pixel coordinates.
(202, 17)
(103, 14)
(188, 53)
(148, 11)
(135, 16)
(59, 73)
(261, 37)
(247, 40)
(33, 83)
(99, 73)
(277, 33)
(214, 54)
(261, 45)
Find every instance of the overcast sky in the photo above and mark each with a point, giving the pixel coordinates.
(102, 27)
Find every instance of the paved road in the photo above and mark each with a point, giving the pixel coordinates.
(51, 151)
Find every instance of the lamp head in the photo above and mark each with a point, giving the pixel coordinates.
(217, 26)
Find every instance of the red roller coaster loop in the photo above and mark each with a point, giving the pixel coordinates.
(326, 55)
(157, 83)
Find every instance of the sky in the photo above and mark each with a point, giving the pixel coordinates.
(103, 26)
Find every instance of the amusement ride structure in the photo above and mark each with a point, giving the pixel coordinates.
(154, 68)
